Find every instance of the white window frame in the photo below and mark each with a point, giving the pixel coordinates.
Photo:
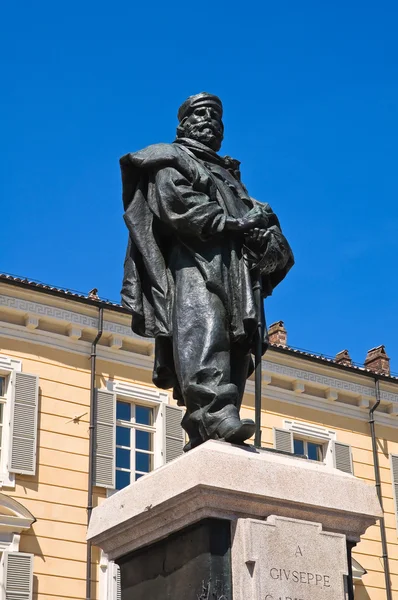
(316, 434)
(133, 427)
(305, 447)
(107, 578)
(8, 368)
(10, 536)
(144, 396)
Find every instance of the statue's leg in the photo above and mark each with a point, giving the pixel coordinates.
(201, 348)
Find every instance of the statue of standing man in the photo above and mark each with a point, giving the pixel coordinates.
(194, 235)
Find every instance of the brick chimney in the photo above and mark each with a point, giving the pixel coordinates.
(277, 333)
(343, 358)
(377, 360)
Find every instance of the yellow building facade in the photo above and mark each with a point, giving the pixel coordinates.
(311, 406)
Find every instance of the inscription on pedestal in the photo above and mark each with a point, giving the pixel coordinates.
(287, 559)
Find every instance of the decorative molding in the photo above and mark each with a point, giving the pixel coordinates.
(31, 322)
(35, 309)
(298, 387)
(138, 392)
(14, 546)
(319, 404)
(62, 342)
(10, 364)
(45, 310)
(75, 333)
(327, 382)
(309, 430)
(11, 525)
(331, 395)
(115, 341)
(363, 403)
(393, 410)
(122, 330)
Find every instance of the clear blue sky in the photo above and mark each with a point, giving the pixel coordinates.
(310, 91)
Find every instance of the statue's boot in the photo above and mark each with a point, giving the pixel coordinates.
(192, 429)
(225, 424)
(241, 433)
(233, 430)
(236, 431)
(212, 414)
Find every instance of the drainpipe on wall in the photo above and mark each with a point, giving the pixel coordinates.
(378, 489)
(93, 357)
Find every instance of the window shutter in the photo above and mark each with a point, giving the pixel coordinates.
(23, 434)
(105, 439)
(118, 583)
(18, 575)
(174, 433)
(343, 457)
(283, 440)
(394, 479)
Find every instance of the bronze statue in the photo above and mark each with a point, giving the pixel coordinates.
(196, 241)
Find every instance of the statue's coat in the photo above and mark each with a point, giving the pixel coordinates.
(176, 198)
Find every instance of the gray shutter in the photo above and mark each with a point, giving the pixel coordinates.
(23, 435)
(343, 457)
(118, 584)
(174, 434)
(283, 440)
(394, 480)
(105, 439)
(18, 575)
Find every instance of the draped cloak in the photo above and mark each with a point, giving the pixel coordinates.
(176, 199)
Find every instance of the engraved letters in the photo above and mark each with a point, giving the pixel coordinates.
(300, 577)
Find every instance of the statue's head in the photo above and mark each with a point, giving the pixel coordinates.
(200, 118)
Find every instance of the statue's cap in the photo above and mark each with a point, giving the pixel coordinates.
(202, 99)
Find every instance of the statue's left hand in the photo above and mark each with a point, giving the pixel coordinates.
(257, 238)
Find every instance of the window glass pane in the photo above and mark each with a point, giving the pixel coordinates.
(1, 412)
(314, 451)
(2, 386)
(123, 458)
(143, 462)
(298, 446)
(144, 415)
(138, 475)
(123, 411)
(122, 479)
(122, 436)
(143, 440)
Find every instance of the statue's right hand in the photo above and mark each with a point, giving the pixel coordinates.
(254, 218)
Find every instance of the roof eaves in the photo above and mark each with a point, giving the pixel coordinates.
(359, 370)
(61, 292)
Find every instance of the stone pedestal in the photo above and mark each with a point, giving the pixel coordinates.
(287, 558)
(229, 523)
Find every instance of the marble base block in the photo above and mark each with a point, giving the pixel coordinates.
(290, 521)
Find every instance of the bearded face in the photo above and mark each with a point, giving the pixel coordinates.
(204, 125)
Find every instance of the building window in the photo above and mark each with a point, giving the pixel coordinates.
(315, 442)
(135, 441)
(307, 448)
